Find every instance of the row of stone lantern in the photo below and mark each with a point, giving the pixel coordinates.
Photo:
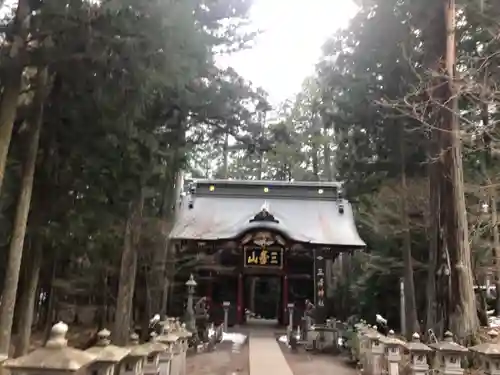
(163, 355)
(378, 354)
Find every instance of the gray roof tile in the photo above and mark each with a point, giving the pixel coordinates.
(313, 221)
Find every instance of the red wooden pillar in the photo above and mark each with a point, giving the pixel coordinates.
(239, 302)
(284, 309)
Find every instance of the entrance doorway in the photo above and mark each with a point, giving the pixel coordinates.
(263, 296)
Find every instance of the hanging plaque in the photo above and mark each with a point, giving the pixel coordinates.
(263, 256)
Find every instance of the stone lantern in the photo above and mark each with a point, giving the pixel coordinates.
(178, 349)
(167, 364)
(107, 356)
(393, 350)
(156, 348)
(418, 355)
(133, 364)
(362, 345)
(489, 355)
(55, 358)
(190, 316)
(184, 336)
(374, 351)
(449, 355)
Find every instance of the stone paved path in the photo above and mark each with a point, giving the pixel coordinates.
(266, 357)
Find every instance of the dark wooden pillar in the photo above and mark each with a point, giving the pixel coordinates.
(210, 289)
(284, 288)
(239, 300)
(284, 313)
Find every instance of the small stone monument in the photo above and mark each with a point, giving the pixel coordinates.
(107, 356)
(133, 363)
(449, 355)
(55, 358)
(489, 355)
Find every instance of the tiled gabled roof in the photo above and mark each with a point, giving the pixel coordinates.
(229, 213)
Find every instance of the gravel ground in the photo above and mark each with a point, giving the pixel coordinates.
(305, 363)
(221, 361)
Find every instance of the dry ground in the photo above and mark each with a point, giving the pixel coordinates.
(221, 361)
(305, 363)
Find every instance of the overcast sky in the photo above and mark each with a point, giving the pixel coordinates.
(290, 45)
(293, 32)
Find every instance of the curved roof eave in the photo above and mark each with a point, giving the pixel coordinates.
(305, 221)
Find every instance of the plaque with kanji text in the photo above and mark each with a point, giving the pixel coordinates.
(256, 256)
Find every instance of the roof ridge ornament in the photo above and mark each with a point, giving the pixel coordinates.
(264, 215)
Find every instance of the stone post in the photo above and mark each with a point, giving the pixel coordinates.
(290, 308)
(292, 338)
(449, 355)
(418, 355)
(55, 358)
(488, 355)
(225, 306)
(190, 316)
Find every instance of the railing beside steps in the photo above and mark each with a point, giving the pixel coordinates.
(377, 354)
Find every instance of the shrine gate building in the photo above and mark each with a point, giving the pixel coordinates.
(273, 240)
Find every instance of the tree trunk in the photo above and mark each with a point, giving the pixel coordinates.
(496, 246)
(412, 325)
(327, 152)
(158, 266)
(21, 216)
(28, 299)
(462, 311)
(225, 156)
(315, 144)
(493, 203)
(12, 84)
(432, 316)
(128, 271)
(51, 296)
(435, 45)
(168, 279)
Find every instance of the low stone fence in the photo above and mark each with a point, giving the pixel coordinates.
(378, 354)
(164, 354)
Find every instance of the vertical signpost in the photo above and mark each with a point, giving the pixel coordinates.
(319, 286)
